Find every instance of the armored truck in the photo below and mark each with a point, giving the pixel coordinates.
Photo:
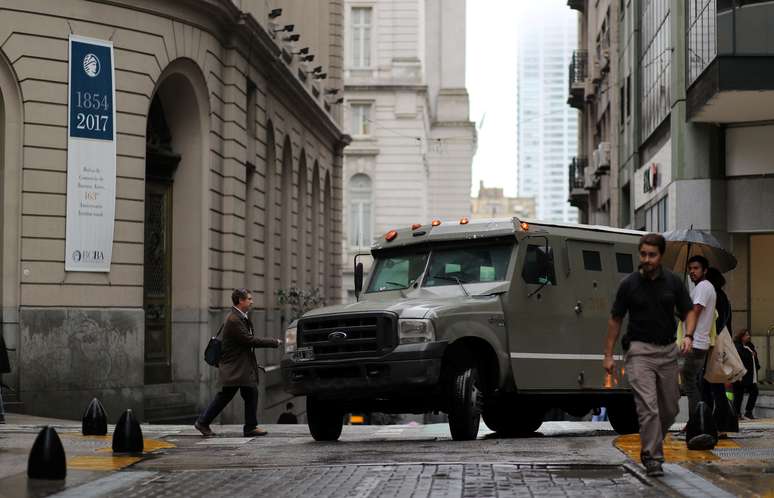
(498, 319)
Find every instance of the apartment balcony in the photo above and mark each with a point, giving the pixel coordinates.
(578, 76)
(578, 194)
(579, 5)
(730, 61)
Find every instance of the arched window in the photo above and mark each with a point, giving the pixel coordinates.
(316, 232)
(286, 225)
(303, 217)
(359, 213)
(270, 245)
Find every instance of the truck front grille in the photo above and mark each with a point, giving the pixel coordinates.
(349, 335)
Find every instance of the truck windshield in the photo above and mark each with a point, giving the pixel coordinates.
(397, 271)
(471, 264)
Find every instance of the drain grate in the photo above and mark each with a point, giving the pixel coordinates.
(745, 453)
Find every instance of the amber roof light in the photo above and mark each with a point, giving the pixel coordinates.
(436, 223)
(464, 220)
(416, 225)
(524, 226)
(390, 236)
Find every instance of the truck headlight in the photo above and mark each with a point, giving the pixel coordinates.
(290, 339)
(413, 331)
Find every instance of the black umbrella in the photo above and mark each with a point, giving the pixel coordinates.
(682, 244)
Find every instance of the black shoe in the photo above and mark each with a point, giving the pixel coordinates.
(702, 442)
(255, 432)
(653, 468)
(204, 429)
(749, 416)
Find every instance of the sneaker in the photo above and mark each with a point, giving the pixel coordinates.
(204, 429)
(653, 468)
(255, 432)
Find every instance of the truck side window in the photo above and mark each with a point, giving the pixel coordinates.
(625, 262)
(535, 262)
(592, 261)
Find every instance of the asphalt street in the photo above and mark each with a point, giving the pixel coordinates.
(562, 459)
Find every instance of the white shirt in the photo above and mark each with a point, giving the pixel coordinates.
(240, 312)
(704, 294)
(755, 372)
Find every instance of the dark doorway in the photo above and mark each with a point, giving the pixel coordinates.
(160, 164)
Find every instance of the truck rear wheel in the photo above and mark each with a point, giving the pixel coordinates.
(325, 420)
(622, 415)
(507, 418)
(465, 405)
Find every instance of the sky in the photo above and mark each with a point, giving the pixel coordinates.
(491, 47)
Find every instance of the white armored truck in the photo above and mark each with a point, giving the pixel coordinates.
(500, 319)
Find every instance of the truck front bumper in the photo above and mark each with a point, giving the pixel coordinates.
(407, 369)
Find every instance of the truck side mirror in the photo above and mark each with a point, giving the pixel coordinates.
(358, 280)
(545, 265)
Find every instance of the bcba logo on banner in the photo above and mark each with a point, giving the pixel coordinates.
(91, 65)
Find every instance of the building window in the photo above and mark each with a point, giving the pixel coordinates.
(360, 210)
(361, 119)
(361, 37)
(701, 35)
(655, 64)
(656, 217)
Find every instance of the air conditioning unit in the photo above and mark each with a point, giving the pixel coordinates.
(605, 56)
(596, 71)
(589, 89)
(603, 157)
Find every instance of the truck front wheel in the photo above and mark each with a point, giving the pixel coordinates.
(623, 416)
(511, 417)
(465, 405)
(325, 420)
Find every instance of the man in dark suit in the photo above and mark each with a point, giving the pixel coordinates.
(238, 368)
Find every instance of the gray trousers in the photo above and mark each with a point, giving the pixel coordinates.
(652, 373)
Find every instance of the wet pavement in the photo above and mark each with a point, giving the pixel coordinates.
(562, 459)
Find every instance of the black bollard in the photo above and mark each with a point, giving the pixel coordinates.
(47, 456)
(127, 438)
(94, 421)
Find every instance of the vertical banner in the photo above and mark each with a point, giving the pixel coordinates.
(91, 156)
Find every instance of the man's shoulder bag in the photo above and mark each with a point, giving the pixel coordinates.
(213, 349)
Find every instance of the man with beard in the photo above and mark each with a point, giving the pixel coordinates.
(651, 296)
(703, 297)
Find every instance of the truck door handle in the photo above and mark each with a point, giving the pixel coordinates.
(578, 308)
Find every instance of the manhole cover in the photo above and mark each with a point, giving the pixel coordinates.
(745, 453)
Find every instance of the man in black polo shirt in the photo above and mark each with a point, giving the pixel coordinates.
(652, 296)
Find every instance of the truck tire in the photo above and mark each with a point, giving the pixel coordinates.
(325, 420)
(465, 405)
(622, 415)
(507, 418)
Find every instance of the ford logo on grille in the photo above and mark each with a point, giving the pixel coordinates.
(339, 335)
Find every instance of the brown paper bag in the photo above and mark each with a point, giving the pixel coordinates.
(724, 366)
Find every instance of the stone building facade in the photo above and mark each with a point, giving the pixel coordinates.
(229, 173)
(491, 202)
(406, 108)
(595, 91)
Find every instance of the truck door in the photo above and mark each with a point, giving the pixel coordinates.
(542, 326)
(592, 273)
